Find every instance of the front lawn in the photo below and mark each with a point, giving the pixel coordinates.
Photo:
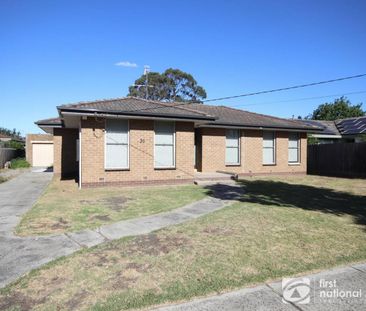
(63, 207)
(280, 227)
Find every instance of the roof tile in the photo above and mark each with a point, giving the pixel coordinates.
(208, 114)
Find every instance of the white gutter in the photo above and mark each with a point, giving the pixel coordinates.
(325, 136)
(255, 128)
(56, 125)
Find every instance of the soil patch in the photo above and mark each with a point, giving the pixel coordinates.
(102, 217)
(75, 302)
(113, 203)
(214, 230)
(61, 224)
(153, 245)
(19, 301)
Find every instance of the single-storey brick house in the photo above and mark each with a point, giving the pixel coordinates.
(130, 141)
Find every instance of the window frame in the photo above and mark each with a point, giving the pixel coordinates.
(239, 149)
(274, 149)
(128, 148)
(174, 147)
(298, 148)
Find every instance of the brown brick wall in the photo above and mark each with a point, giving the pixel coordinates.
(28, 144)
(141, 154)
(64, 149)
(213, 153)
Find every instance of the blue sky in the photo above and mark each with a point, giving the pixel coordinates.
(57, 52)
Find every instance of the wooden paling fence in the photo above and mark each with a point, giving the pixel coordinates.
(338, 159)
(6, 154)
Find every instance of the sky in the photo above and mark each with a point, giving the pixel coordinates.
(59, 52)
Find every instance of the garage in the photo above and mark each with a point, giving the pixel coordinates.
(42, 153)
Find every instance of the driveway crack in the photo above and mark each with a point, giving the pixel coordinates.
(101, 234)
(359, 270)
(73, 240)
(278, 294)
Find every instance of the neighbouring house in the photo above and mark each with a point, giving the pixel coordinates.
(351, 130)
(131, 141)
(4, 137)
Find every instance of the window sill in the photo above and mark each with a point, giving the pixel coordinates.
(164, 168)
(294, 164)
(116, 169)
(232, 164)
(269, 164)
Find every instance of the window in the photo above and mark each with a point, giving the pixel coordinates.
(293, 148)
(269, 148)
(232, 156)
(116, 144)
(164, 151)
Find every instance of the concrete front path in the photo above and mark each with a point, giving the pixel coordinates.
(269, 296)
(19, 255)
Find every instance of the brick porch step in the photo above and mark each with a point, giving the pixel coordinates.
(212, 178)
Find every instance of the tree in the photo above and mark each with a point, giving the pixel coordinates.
(341, 108)
(11, 133)
(171, 85)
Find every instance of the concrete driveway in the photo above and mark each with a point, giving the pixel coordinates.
(17, 196)
(19, 255)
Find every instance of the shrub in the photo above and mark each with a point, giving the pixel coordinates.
(19, 163)
(14, 144)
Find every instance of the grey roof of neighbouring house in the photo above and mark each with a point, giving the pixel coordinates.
(352, 126)
(341, 127)
(329, 127)
(4, 136)
(206, 115)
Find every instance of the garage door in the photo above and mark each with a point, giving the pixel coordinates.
(42, 154)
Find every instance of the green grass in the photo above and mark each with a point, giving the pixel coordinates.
(280, 227)
(64, 208)
(19, 163)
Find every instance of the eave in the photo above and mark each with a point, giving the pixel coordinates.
(260, 127)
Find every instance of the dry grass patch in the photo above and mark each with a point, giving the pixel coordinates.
(63, 207)
(246, 243)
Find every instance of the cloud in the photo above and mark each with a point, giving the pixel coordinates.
(126, 64)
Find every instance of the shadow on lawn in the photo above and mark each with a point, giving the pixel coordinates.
(311, 198)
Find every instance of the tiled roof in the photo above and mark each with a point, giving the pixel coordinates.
(137, 106)
(206, 114)
(329, 127)
(16, 138)
(51, 121)
(4, 136)
(230, 116)
(352, 126)
(349, 126)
